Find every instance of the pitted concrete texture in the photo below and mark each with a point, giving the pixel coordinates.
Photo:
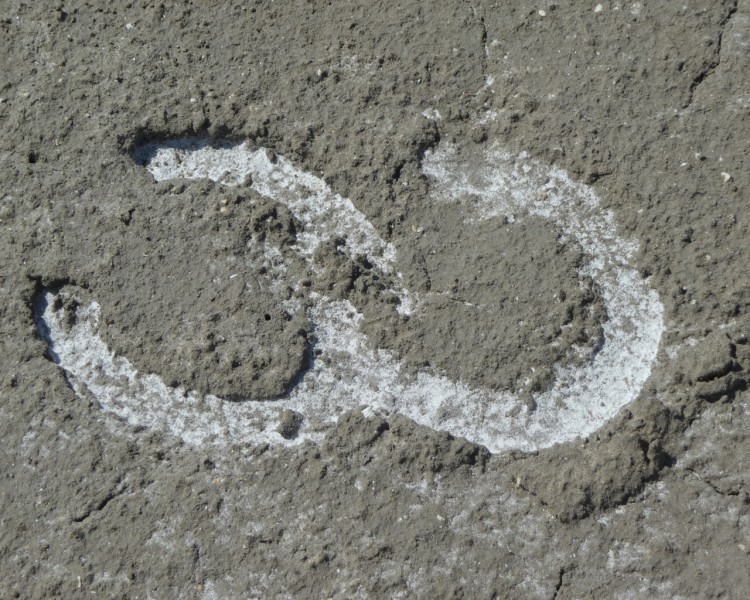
(644, 104)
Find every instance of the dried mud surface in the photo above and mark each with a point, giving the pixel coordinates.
(647, 102)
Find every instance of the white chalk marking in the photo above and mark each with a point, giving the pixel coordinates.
(347, 374)
(323, 213)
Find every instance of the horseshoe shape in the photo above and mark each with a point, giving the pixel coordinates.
(578, 403)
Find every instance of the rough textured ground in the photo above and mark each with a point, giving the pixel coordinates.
(648, 102)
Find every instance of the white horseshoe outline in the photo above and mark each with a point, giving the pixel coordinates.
(500, 184)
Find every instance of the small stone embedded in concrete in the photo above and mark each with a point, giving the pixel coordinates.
(289, 424)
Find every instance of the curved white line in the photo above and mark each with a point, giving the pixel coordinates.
(348, 374)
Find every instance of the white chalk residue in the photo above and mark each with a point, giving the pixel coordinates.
(323, 213)
(346, 373)
(502, 184)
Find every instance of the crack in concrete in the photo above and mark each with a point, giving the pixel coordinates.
(102, 503)
(485, 47)
(713, 486)
(559, 584)
(714, 64)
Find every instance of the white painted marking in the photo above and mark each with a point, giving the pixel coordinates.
(346, 374)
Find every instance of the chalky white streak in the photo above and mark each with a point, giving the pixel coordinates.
(346, 373)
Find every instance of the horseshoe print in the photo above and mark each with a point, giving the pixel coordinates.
(579, 401)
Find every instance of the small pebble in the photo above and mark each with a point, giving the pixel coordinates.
(542, 13)
(598, 8)
(726, 176)
(289, 424)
